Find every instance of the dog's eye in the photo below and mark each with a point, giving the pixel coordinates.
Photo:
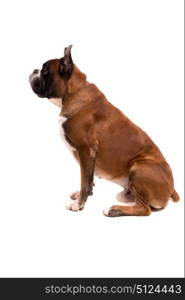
(44, 72)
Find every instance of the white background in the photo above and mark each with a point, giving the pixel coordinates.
(133, 51)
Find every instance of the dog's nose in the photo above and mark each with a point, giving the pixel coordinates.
(36, 71)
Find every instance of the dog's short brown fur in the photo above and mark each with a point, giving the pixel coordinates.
(105, 142)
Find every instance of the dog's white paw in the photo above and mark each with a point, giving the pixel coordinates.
(75, 195)
(74, 206)
(106, 211)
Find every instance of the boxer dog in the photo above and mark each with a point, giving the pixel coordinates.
(104, 141)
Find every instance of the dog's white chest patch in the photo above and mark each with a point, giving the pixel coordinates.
(62, 120)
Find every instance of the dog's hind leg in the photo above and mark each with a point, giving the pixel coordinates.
(151, 184)
(140, 208)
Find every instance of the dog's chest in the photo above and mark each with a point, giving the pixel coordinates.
(62, 120)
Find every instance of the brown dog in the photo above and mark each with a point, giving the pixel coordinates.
(104, 141)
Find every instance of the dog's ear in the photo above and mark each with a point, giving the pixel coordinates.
(66, 63)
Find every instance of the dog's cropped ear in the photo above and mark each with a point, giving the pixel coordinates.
(66, 63)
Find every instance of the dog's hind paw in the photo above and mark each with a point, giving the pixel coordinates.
(111, 212)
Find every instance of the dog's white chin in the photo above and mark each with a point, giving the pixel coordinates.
(56, 101)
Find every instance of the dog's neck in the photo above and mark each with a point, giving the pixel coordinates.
(75, 82)
(78, 94)
(73, 85)
(75, 102)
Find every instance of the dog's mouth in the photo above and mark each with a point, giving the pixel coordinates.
(37, 84)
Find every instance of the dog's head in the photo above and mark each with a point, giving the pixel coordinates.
(56, 77)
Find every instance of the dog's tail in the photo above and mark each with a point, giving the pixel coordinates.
(174, 196)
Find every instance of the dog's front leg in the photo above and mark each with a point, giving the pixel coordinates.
(87, 158)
